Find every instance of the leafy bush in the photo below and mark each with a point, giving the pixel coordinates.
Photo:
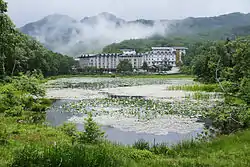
(9, 97)
(230, 87)
(3, 135)
(69, 129)
(16, 111)
(140, 155)
(244, 91)
(228, 118)
(34, 117)
(141, 144)
(29, 84)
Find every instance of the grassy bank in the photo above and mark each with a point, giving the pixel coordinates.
(40, 145)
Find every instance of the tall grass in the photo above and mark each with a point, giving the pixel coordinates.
(66, 155)
(197, 87)
(232, 150)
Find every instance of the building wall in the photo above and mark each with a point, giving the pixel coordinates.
(157, 56)
(136, 60)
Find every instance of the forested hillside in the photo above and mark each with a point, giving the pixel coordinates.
(21, 53)
(180, 39)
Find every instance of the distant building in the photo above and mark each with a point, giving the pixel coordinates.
(135, 59)
(128, 51)
(157, 56)
(106, 61)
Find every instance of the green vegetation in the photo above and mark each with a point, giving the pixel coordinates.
(25, 140)
(124, 66)
(224, 63)
(132, 75)
(145, 66)
(197, 87)
(21, 53)
(189, 31)
(144, 45)
(230, 150)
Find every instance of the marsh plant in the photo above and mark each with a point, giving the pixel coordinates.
(142, 109)
(197, 87)
(141, 144)
(101, 83)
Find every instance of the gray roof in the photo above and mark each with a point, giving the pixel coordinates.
(181, 48)
(161, 48)
(165, 48)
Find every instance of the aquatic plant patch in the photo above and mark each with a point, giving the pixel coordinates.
(100, 83)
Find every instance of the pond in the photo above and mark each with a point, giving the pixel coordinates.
(140, 111)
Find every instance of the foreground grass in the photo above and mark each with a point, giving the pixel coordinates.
(40, 145)
(167, 76)
(21, 134)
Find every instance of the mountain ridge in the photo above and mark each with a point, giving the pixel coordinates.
(63, 33)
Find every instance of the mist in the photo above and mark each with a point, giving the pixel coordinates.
(66, 35)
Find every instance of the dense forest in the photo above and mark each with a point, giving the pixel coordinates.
(224, 62)
(21, 53)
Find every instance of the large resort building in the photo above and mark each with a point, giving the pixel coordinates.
(157, 56)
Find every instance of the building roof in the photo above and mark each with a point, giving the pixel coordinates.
(161, 48)
(132, 55)
(87, 55)
(181, 48)
(127, 50)
(100, 54)
(165, 48)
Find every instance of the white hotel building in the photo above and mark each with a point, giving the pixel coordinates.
(157, 56)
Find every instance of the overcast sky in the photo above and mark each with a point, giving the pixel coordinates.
(24, 11)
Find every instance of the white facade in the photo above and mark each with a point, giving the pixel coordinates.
(128, 51)
(135, 59)
(157, 56)
(105, 61)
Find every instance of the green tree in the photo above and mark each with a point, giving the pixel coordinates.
(21, 53)
(145, 66)
(124, 66)
(92, 132)
(3, 6)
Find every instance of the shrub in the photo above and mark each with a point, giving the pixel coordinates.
(161, 148)
(34, 117)
(92, 133)
(9, 97)
(138, 155)
(69, 129)
(228, 118)
(3, 135)
(245, 90)
(29, 84)
(141, 144)
(16, 111)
